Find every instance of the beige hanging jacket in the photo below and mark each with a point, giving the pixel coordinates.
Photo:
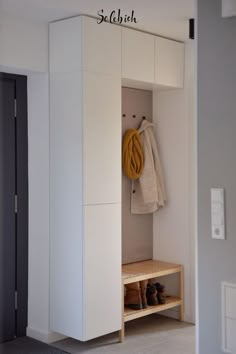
(148, 192)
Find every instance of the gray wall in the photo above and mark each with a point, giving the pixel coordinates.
(216, 163)
(137, 229)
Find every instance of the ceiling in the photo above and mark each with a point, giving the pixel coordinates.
(164, 17)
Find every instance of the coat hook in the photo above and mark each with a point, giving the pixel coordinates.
(134, 116)
(144, 117)
(123, 115)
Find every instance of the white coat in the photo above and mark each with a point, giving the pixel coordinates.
(148, 192)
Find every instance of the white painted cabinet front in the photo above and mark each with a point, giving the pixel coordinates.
(102, 290)
(138, 55)
(169, 63)
(79, 43)
(66, 211)
(102, 139)
(85, 178)
(101, 47)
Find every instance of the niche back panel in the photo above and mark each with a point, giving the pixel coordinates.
(137, 230)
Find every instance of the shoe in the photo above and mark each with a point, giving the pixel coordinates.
(160, 293)
(143, 286)
(151, 295)
(133, 296)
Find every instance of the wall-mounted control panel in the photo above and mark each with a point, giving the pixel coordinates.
(228, 8)
(217, 214)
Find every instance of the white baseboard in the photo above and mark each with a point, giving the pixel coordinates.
(45, 337)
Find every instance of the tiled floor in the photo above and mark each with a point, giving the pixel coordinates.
(152, 335)
(25, 345)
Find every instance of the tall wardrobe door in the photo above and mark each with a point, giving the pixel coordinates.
(102, 47)
(66, 233)
(102, 139)
(102, 270)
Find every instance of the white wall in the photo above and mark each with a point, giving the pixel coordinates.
(38, 137)
(174, 224)
(24, 44)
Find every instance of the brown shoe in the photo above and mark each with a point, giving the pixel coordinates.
(161, 296)
(143, 285)
(133, 296)
(151, 294)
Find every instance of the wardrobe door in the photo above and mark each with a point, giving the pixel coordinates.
(137, 55)
(169, 63)
(101, 47)
(102, 270)
(66, 227)
(85, 170)
(102, 139)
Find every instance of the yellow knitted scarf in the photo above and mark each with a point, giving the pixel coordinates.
(132, 154)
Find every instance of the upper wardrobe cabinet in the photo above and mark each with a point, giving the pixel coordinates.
(151, 59)
(82, 44)
(137, 55)
(169, 63)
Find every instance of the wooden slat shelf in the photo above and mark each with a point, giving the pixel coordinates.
(151, 269)
(147, 269)
(171, 301)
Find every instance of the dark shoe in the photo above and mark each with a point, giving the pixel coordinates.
(133, 296)
(143, 286)
(151, 295)
(161, 297)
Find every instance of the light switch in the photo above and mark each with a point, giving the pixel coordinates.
(217, 214)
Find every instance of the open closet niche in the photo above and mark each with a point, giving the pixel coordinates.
(143, 256)
(137, 229)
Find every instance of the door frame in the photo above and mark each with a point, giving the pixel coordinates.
(21, 150)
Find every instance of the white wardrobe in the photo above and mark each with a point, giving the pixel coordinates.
(89, 62)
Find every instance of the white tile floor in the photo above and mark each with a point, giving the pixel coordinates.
(152, 335)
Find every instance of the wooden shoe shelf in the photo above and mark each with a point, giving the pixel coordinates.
(151, 269)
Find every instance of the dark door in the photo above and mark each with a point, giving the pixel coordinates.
(7, 210)
(13, 206)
